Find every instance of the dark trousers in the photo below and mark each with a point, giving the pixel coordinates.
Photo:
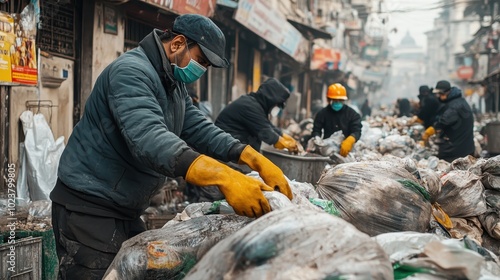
(86, 244)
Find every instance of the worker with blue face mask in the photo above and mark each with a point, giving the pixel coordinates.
(140, 126)
(338, 116)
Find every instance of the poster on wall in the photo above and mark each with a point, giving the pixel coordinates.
(7, 38)
(23, 54)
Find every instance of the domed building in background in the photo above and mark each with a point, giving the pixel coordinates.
(407, 70)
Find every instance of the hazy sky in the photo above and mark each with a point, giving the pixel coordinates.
(418, 19)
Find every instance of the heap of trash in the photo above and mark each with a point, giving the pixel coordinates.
(380, 219)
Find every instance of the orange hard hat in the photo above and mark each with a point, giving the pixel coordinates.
(336, 91)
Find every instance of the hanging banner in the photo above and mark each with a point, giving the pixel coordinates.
(272, 26)
(325, 59)
(206, 7)
(7, 38)
(23, 58)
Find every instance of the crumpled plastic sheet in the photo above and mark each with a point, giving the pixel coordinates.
(492, 166)
(328, 146)
(169, 253)
(371, 136)
(439, 258)
(470, 227)
(402, 245)
(377, 197)
(430, 180)
(302, 192)
(463, 163)
(295, 243)
(407, 163)
(40, 209)
(462, 194)
(396, 142)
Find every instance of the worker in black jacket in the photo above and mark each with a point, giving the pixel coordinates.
(338, 116)
(454, 124)
(429, 107)
(247, 118)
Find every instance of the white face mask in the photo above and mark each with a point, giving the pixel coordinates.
(275, 111)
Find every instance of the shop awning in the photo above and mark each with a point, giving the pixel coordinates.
(315, 33)
(272, 26)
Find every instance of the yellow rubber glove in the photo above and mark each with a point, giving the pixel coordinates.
(428, 133)
(268, 171)
(242, 192)
(284, 143)
(346, 145)
(288, 137)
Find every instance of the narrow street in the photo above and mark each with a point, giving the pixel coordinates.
(249, 139)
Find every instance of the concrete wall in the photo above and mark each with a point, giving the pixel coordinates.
(60, 118)
(106, 47)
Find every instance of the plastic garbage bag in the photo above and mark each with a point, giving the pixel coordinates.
(491, 181)
(428, 256)
(169, 253)
(462, 194)
(295, 243)
(463, 163)
(377, 197)
(430, 180)
(491, 243)
(491, 223)
(492, 199)
(492, 166)
(22, 191)
(491, 173)
(42, 155)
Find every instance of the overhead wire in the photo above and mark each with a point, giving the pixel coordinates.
(434, 6)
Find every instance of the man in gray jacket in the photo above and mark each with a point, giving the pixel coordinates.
(139, 126)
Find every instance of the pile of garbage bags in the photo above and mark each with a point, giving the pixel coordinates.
(393, 218)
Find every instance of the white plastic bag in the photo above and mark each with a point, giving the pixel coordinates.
(42, 155)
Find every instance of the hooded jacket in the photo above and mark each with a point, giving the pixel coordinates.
(456, 123)
(328, 121)
(136, 128)
(246, 118)
(429, 108)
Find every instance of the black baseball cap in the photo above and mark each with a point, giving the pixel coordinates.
(442, 87)
(206, 34)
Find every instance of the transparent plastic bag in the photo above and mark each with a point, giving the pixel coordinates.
(170, 252)
(462, 194)
(377, 197)
(295, 243)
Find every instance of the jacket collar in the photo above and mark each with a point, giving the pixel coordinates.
(454, 94)
(153, 47)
